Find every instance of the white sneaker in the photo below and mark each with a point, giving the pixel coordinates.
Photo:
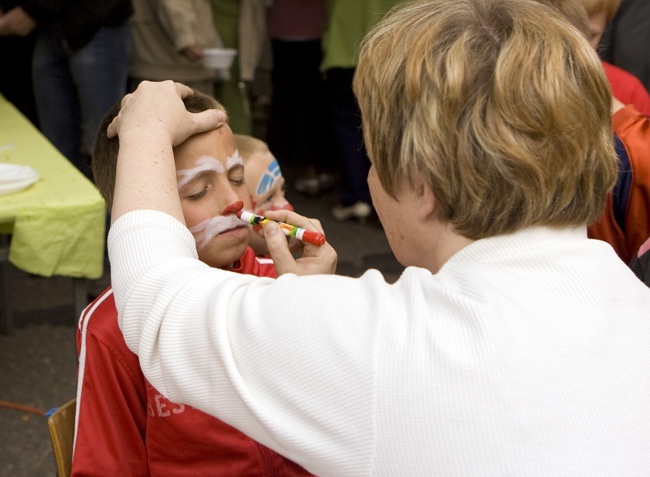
(307, 186)
(359, 210)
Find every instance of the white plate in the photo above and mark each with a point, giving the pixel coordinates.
(14, 177)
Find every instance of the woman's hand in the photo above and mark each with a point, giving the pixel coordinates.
(314, 260)
(157, 107)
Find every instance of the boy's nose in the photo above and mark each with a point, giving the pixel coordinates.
(233, 207)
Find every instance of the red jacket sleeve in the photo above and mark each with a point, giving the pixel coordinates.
(633, 129)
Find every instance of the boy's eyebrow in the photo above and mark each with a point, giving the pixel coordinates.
(234, 161)
(203, 164)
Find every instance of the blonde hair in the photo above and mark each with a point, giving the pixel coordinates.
(501, 107)
(610, 7)
(249, 145)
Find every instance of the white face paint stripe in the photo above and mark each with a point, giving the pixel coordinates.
(209, 228)
(234, 160)
(203, 164)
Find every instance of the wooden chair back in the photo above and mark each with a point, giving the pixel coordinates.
(61, 425)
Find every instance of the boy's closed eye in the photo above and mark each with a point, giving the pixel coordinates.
(200, 194)
(236, 176)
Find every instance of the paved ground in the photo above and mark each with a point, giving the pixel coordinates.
(38, 362)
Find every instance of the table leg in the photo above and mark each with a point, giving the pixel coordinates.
(80, 296)
(6, 316)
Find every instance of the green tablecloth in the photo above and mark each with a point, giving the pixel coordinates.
(57, 224)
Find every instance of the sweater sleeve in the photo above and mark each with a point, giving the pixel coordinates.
(111, 401)
(634, 130)
(291, 370)
(180, 22)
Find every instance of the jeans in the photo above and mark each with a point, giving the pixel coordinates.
(348, 137)
(73, 90)
(298, 129)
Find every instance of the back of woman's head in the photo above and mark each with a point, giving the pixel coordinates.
(500, 106)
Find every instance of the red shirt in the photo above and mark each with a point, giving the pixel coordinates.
(126, 427)
(627, 88)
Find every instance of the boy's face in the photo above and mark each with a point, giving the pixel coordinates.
(211, 186)
(266, 186)
(597, 25)
(265, 183)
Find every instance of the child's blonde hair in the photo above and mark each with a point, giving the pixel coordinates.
(610, 7)
(249, 145)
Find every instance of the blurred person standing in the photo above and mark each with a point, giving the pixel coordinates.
(242, 26)
(16, 80)
(79, 66)
(348, 22)
(168, 41)
(298, 128)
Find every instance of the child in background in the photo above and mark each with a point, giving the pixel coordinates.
(625, 222)
(626, 87)
(124, 425)
(264, 180)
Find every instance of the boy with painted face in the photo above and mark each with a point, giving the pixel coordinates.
(125, 426)
(265, 183)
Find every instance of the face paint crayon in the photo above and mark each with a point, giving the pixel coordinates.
(314, 238)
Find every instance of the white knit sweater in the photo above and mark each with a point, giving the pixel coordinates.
(526, 355)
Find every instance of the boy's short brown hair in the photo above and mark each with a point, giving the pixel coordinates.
(105, 150)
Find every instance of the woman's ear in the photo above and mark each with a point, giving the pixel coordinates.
(427, 205)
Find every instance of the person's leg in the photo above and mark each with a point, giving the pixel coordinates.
(299, 125)
(100, 71)
(280, 126)
(312, 113)
(230, 93)
(16, 78)
(346, 126)
(55, 95)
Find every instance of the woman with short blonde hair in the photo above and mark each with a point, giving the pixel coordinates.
(472, 104)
